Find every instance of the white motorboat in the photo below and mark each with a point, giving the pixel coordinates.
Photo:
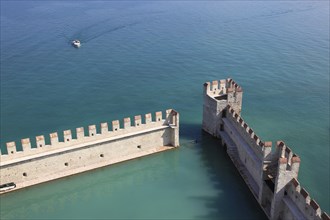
(7, 186)
(76, 43)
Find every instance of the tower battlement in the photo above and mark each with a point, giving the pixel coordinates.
(220, 87)
(217, 95)
(287, 157)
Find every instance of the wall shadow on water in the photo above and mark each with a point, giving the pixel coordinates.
(83, 195)
(233, 199)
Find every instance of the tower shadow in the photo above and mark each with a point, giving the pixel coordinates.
(232, 198)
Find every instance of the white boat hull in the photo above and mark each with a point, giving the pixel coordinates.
(7, 186)
(76, 43)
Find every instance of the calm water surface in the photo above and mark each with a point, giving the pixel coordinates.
(140, 57)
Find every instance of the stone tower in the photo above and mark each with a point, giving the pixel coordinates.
(217, 96)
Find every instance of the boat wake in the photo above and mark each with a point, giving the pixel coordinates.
(271, 14)
(111, 30)
(94, 31)
(77, 29)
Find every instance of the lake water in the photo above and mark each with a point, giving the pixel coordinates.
(140, 57)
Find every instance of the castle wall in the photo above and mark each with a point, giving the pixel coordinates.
(248, 136)
(270, 175)
(247, 155)
(59, 159)
(299, 205)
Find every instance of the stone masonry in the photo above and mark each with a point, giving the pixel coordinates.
(46, 162)
(270, 175)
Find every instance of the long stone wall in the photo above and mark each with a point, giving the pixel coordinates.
(45, 162)
(270, 174)
(249, 151)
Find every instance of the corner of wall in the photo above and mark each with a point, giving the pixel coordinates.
(307, 206)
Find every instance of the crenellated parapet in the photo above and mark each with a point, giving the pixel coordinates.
(71, 152)
(279, 166)
(290, 161)
(287, 168)
(248, 134)
(233, 86)
(267, 172)
(221, 87)
(263, 149)
(302, 200)
(78, 136)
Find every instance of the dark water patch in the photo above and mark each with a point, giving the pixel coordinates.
(216, 160)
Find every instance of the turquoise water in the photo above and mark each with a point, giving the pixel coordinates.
(140, 57)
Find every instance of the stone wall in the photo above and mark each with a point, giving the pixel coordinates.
(248, 145)
(270, 174)
(298, 201)
(45, 162)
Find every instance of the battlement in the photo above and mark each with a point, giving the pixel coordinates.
(302, 200)
(282, 154)
(257, 146)
(217, 95)
(70, 138)
(287, 157)
(221, 87)
(81, 151)
(266, 171)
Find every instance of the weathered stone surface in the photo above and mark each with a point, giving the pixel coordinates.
(270, 175)
(47, 162)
